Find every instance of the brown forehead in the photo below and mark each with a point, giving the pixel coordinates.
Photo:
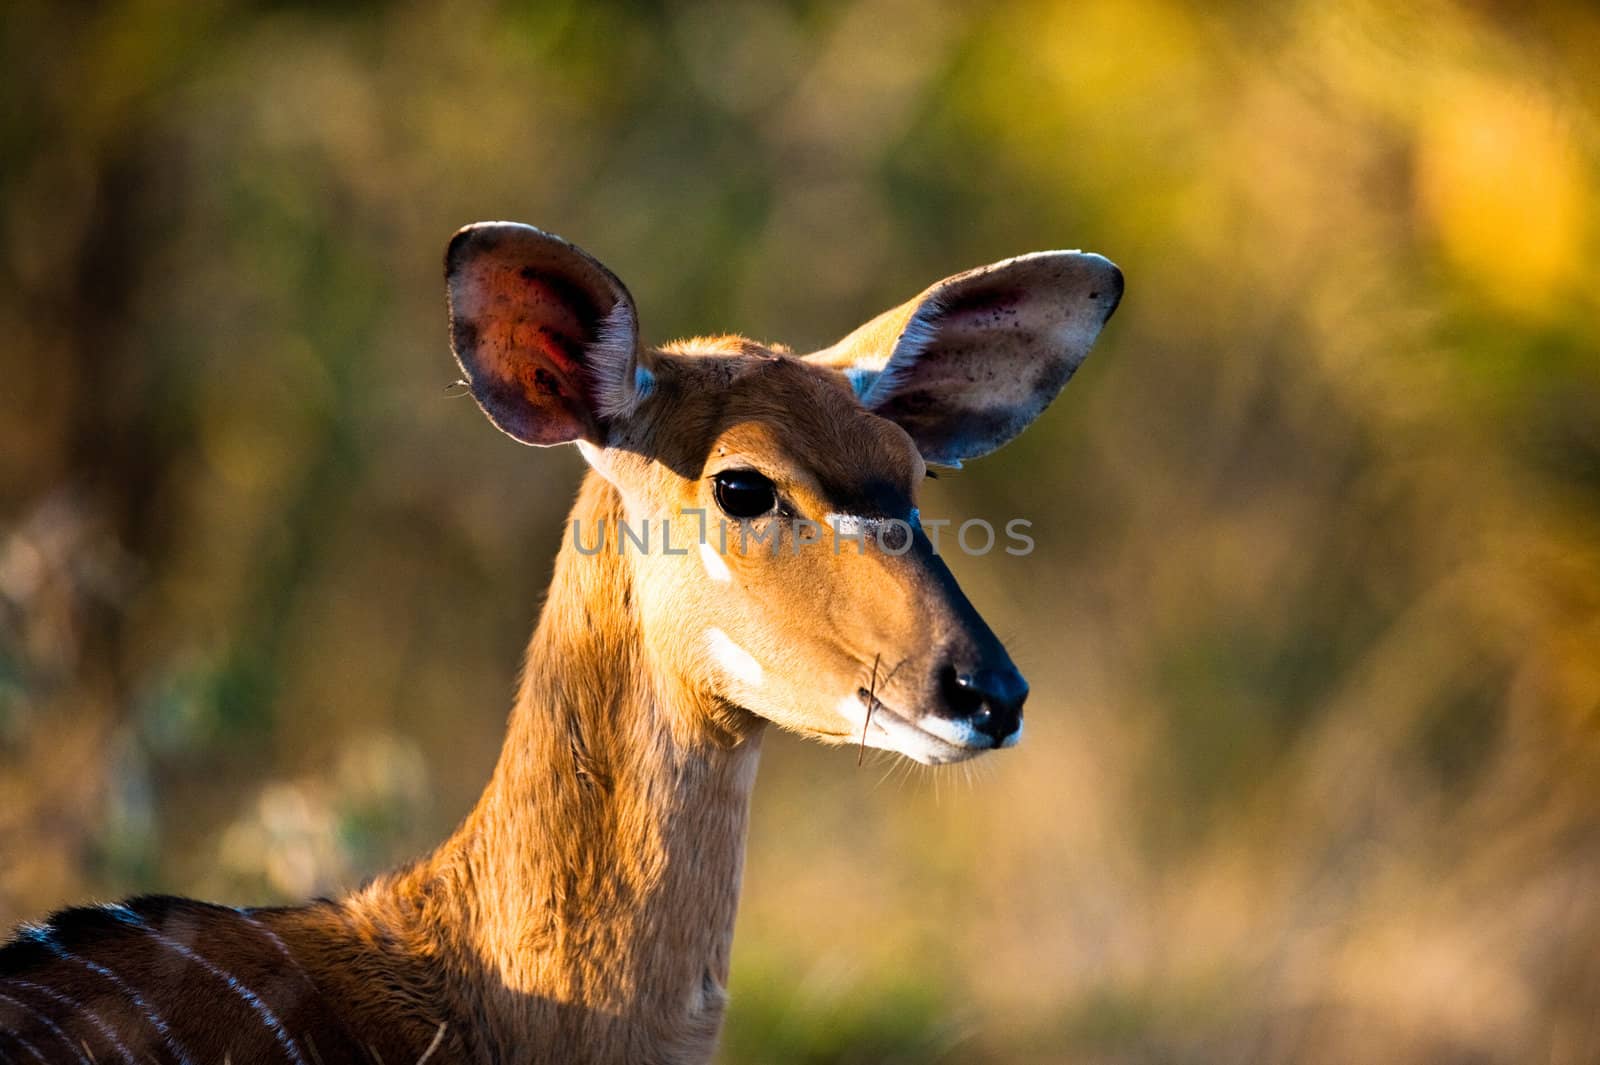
(753, 398)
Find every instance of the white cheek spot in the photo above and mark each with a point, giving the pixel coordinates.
(848, 524)
(716, 568)
(740, 663)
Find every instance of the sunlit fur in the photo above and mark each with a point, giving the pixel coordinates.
(583, 911)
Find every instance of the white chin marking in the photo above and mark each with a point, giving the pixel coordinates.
(852, 709)
(962, 734)
(955, 733)
(716, 568)
(888, 731)
(739, 663)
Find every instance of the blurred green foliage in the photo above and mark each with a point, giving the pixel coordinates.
(1314, 622)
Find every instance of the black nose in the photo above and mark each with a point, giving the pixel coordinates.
(990, 700)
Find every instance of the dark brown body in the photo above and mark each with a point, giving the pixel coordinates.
(176, 981)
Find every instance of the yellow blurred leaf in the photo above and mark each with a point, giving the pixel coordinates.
(1500, 183)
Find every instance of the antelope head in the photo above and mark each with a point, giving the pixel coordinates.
(784, 571)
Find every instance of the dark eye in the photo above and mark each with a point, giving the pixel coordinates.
(744, 493)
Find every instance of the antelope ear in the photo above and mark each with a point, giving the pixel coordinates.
(547, 337)
(968, 364)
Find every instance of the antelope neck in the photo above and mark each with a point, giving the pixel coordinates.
(595, 884)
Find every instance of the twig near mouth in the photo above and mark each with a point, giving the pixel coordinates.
(872, 701)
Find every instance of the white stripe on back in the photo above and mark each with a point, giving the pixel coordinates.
(268, 1018)
(25, 1045)
(126, 988)
(94, 1018)
(47, 1022)
(277, 942)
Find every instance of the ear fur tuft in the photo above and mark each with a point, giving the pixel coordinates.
(968, 364)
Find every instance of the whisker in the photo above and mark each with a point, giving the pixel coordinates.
(872, 702)
(889, 762)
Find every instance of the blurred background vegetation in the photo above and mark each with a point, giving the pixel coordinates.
(1314, 621)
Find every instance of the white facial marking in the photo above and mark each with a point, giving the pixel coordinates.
(716, 569)
(957, 733)
(735, 659)
(884, 730)
(928, 739)
(852, 709)
(848, 524)
(856, 524)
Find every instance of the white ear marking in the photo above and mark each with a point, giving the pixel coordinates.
(610, 356)
(716, 568)
(861, 380)
(917, 337)
(974, 359)
(733, 658)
